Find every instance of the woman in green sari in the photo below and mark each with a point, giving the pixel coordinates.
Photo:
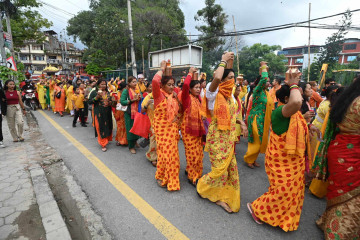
(131, 99)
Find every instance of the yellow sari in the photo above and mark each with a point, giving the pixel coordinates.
(222, 183)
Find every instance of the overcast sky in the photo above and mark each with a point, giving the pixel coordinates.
(248, 15)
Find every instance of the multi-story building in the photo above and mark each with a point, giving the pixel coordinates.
(36, 56)
(350, 50)
(298, 56)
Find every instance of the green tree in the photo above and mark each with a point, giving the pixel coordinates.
(250, 57)
(330, 52)
(213, 21)
(104, 27)
(333, 45)
(27, 23)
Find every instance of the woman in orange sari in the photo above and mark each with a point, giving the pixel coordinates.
(338, 161)
(120, 137)
(192, 127)
(166, 130)
(284, 162)
(221, 185)
(59, 102)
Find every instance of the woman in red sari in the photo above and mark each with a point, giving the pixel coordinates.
(192, 127)
(338, 160)
(166, 130)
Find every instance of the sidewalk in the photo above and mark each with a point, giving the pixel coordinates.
(27, 206)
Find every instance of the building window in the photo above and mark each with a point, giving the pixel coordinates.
(350, 47)
(299, 60)
(23, 58)
(38, 58)
(37, 47)
(351, 58)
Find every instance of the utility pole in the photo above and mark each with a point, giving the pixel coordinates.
(237, 52)
(309, 65)
(2, 43)
(126, 65)
(133, 61)
(143, 59)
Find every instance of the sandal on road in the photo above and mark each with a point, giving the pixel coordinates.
(256, 164)
(225, 206)
(159, 182)
(256, 219)
(104, 149)
(250, 165)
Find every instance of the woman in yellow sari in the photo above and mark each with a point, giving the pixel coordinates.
(51, 89)
(69, 94)
(284, 162)
(166, 130)
(41, 93)
(221, 185)
(147, 106)
(259, 121)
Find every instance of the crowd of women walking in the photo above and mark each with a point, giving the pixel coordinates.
(308, 140)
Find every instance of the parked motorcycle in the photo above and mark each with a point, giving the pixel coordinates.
(29, 99)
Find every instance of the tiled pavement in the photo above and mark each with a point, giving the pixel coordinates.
(23, 190)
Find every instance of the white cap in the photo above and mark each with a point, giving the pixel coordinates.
(141, 76)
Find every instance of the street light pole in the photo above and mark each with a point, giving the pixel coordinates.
(133, 61)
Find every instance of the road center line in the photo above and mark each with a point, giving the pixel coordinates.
(153, 216)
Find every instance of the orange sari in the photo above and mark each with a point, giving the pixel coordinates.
(167, 137)
(59, 102)
(120, 122)
(285, 166)
(193, 144)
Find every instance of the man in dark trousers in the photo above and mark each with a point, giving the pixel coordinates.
(3, 108)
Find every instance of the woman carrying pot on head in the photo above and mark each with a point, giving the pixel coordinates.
(166, 128)
(259, 119)
(192, 127)
(221, 185)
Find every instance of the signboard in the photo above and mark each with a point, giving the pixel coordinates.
(10, 63)
(8, 40)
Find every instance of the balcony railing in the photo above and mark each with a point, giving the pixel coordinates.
(54, 61)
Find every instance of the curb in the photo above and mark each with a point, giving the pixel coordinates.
(51, 218)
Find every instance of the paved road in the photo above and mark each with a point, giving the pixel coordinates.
(196, 218)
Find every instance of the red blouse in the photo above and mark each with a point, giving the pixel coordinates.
(12, 98)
